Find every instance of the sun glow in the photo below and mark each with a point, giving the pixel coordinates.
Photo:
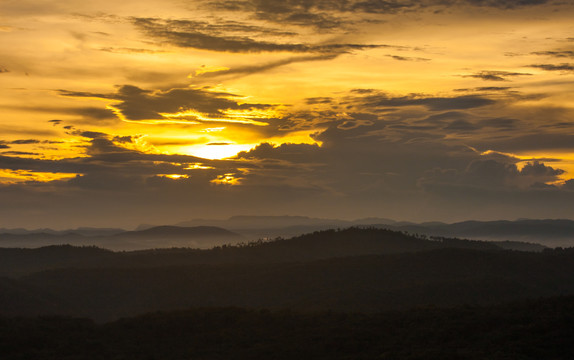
(227, 179)
(237, 117)
(20, 176)
(175, 176)
(560, 160)
(217, 152)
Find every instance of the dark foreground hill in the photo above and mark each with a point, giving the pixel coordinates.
(536, 330)
(443, 278)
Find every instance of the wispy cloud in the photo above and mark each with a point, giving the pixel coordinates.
(495, 75)
(564, 67)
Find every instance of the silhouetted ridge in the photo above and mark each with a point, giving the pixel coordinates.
(315, 246)
(354, 269)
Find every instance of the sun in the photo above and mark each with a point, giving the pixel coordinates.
(217, 151)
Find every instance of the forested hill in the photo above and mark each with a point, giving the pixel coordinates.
(530, 330)
(309, 247)
(365, 270)
(372, 283)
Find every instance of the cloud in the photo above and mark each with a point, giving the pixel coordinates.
(254, 69)
(131, 50)
(536, 168)
(406, 58)
(569, 185)
(493, 75)
(485, 89)
(507, 4)
(556, 53)
(3, 70)
(432, 103)
(25, 141)
(327, 14)
(136, 104)
(86, 112)
(564, 67)
(491, 174)
(523, 141)
(19, 153)
(191, 34)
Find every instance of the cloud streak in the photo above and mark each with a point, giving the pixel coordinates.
(188, 34)
(564, 67)
(493, 75)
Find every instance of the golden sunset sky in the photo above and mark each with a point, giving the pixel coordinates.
(124, 112)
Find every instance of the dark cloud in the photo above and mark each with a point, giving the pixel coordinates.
(253, 69)
(140, 104)
(461, 125)
(186, 33)
(19, 153)
(536, 168)
(491, 75)
(485, 89)
(55, 122)
(489, 173)
(501, 173)
(319, 14)
(432, 103)
(94, 113)
(507, 4)
(327, 15)
(520, 142)
(86, 112)
(381, 6)
(319, 100)
(406, 58)
(91, 134)
(500, 123)
(565, 67)
(25, 141)
(4, 146)
(568, 185)
(556, 54)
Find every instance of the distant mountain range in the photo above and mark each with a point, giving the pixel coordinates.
(201, 237)
(211, 232)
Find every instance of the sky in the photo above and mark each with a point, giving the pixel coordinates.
(117, 113)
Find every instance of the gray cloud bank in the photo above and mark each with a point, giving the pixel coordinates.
(415, 157)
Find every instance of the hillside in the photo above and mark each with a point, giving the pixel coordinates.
(549, 232)
(532, 330)
(309, 247)
(365, 270)
(445, 277)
